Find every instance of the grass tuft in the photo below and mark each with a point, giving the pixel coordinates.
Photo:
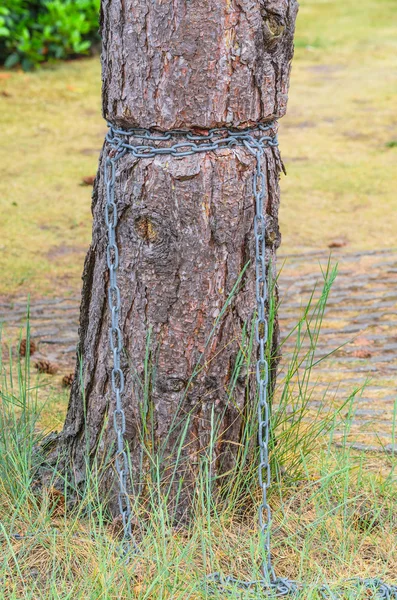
(332, 507)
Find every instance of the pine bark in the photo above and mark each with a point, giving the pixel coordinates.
(185, 229)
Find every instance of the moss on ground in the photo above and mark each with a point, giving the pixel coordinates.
(337, 141)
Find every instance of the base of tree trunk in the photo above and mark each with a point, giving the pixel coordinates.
(186, 244)
(185, 234)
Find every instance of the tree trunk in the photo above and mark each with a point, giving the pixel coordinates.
(185, 230)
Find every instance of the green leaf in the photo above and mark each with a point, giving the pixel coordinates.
(27, 64)
(39, 30)
(11, 60)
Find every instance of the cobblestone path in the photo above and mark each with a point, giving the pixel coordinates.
(360, 320)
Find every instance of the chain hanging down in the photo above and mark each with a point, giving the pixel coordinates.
(116, 346)
(151, 144)
(254, 140)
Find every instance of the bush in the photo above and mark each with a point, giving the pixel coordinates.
(33, 31)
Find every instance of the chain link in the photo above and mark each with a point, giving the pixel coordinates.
(116, 347)
(262, 365)
(255, 140)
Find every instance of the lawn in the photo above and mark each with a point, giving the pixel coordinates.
(338, 137)
(337, 144)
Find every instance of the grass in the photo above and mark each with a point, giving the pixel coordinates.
(54, 136)
(333, 515)
(338, 143)
(337, 138)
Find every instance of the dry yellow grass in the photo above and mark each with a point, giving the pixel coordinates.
(341, 181)
(328, 527)
(341, 122)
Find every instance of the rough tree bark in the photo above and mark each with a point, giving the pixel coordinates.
(185, 225)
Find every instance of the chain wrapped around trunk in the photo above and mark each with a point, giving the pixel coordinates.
(145, 143)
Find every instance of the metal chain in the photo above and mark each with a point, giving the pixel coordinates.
(255, 140)
(116, 345)
(262, 365)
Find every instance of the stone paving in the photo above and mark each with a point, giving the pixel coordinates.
(360, 320)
